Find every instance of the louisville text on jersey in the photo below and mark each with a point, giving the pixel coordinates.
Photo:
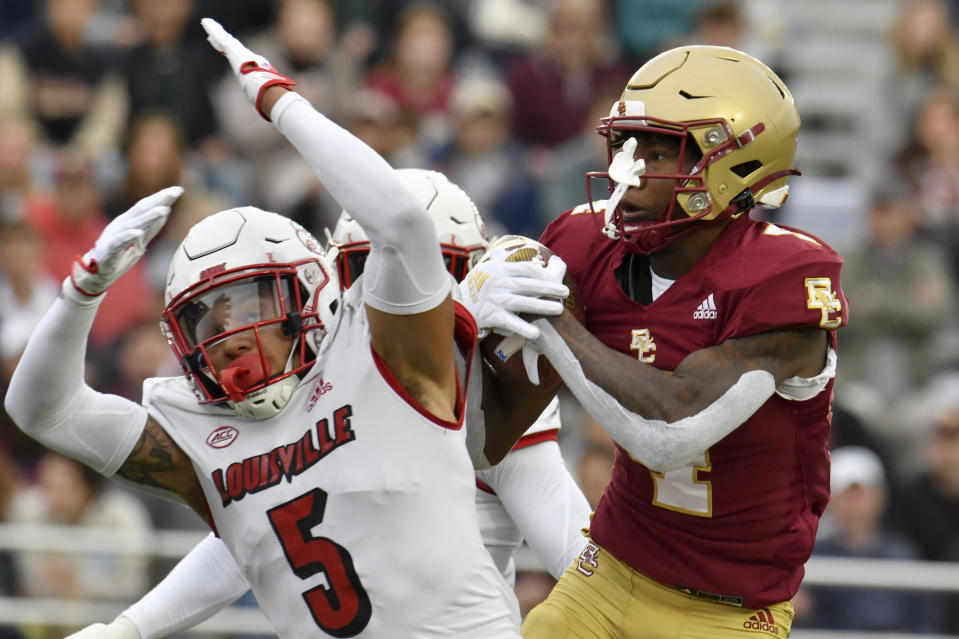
(259, 472)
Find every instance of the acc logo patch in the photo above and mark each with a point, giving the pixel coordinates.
(222, 437)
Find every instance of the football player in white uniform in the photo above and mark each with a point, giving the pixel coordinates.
(530, 494)
(321, 436)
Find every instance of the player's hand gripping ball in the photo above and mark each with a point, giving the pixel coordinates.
(503, 353)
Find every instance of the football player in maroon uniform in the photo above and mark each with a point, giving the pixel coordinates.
(709, 353)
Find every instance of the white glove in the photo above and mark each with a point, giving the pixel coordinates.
(531, 360)
(119, 628)
(122, 243)
(496, 291)
(254, 72)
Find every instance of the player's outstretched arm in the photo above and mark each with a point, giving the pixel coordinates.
(48, 397)
(204, 582)
(406, 286)
(665, 420)
(542, 498)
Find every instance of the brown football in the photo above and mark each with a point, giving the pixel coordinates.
(503, 353)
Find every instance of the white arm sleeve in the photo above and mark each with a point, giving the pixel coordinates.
(204, 582)
(656, 444)
(544, 502)
(49, 400)
(404, 273)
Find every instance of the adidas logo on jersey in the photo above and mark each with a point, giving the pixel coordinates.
(706, 309)
(318, 391)
(762, 620)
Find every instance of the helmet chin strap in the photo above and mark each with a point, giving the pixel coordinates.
(651, 241)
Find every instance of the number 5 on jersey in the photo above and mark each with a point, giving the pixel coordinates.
(343, 609)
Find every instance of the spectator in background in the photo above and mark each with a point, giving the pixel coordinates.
(62, 84)
(903, 295)
(724, 23)
(26, 290)
(646, 28)
(304, 42)
(553, 87)
(719, 23)
(156, 156)
(504, 27)
(928, 510)
(377, 120)
(561, 178)
(69, 223)
(9, 574)
(930, 160)
(925, 49)
(374, 118)
(169, 72)
(485, 161)
(853, 528)
(17, 151)
(68, 493)
(418, 70)
(139, 354)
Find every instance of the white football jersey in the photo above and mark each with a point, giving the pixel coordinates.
(351, 512)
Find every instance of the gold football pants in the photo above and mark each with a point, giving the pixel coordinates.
(601, 597)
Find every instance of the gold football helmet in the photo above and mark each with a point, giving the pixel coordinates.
(734, 108)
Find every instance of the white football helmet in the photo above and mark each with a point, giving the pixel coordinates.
(240, 276)
(461, 231)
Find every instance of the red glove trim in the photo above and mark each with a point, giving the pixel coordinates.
(285, 82)
(252, 66)
(92, 267)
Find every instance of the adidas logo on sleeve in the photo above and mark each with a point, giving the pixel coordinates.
(706, 309)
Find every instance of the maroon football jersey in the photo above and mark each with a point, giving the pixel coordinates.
(740, 522)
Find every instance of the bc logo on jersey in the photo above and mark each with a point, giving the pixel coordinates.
(588, 559)
(821, 297)
(642, 342)
(262, 471)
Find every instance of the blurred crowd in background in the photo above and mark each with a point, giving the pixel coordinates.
(105, 101)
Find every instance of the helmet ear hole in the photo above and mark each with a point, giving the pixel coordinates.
(746, 168)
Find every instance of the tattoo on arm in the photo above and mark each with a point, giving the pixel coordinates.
(158, 462)
(152, 456)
